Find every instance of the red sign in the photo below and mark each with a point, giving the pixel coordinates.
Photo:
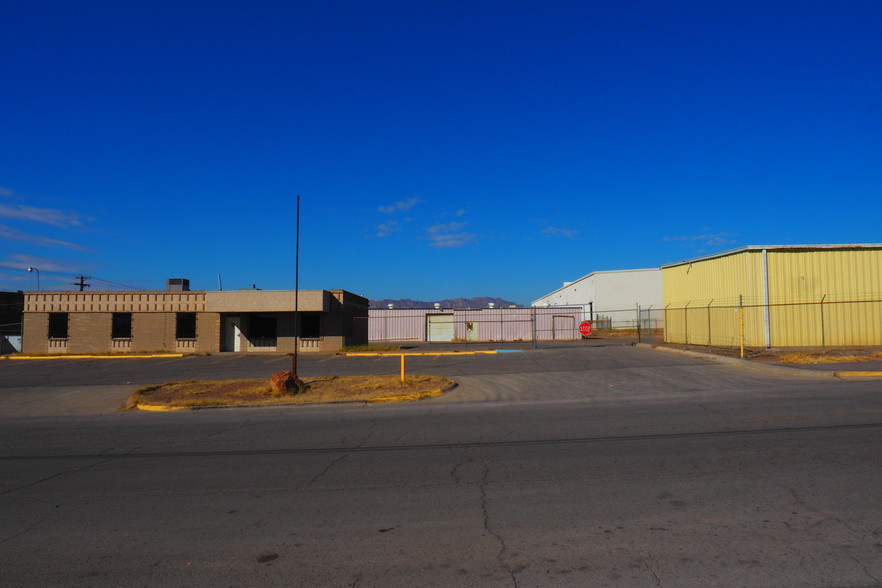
(585, 328)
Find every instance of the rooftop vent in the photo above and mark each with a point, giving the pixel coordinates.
(177, 285)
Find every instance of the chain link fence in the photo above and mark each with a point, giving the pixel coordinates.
(815, 323)
(532, 326)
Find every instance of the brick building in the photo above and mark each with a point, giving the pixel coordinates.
(179, 320)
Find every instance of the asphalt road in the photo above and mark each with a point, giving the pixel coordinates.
(602, 466)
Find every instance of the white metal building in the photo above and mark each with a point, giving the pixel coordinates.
(610, 297)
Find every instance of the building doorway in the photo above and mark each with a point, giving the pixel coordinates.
(232, 334)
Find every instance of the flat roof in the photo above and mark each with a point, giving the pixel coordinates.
(775, 248)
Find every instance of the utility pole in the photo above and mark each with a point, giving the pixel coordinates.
(296, 293)
(81, 282)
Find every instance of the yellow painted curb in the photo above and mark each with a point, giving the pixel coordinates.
(406, 398)
(94, 356)
(858, 374)
(392, 354)
(159, 407)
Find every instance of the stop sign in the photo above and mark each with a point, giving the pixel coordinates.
(585, 328)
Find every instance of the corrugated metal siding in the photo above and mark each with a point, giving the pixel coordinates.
(397, 325)
(700, 299)
(487, 324)
(816, 297)
(801, 280)
(720, 281)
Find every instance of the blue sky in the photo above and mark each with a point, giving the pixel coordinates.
(441, 149)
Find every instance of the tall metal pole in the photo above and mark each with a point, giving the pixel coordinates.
(296, 291)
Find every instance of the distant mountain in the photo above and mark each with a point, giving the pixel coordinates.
(479, 302)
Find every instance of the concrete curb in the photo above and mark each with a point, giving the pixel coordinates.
(137, 356)
(775, 368)
(736, 361)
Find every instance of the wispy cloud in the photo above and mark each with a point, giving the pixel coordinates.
(449, 235)
(15, 235)
(387, 228)
(44, 264)
(709, 239)
(49, 216)
(6, 192)
(399, 206)
(560, 232)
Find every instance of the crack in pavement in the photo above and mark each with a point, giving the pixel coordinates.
(503, 548)
(350, 451)
(58, 474)
(22, 532)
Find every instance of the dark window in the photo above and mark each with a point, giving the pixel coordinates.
(121, 328)
(185, 326)
(262, 326)
(58, 325)
(310, 325)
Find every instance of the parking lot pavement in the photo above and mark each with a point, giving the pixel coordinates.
(42, 401)
(602, 372)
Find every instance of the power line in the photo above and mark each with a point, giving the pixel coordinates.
(115, 283)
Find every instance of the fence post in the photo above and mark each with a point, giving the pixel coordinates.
(823, 336)
(741, 322)
(665, 314)
(686, 324)
(709, 322)
(533, 325)
(638, 323)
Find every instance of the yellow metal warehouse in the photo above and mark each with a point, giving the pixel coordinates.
(786, 295)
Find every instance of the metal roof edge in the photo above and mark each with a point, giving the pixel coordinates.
(775, 248)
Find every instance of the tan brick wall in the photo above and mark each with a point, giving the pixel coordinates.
(208, 332)
(285, 333)
(89, 332)
(35, 332)
(153, 331)
(154, 301)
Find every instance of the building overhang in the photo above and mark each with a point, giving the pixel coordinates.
(233, 301)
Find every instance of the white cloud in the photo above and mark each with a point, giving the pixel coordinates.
(6, 192)
(44, 264)
(15, 235)
(401, 205)
(387, 228)
(449, 235)
(49, 216)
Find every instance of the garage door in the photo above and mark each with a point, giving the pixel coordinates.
(439, 327)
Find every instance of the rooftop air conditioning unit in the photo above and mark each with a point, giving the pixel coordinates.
(177, 285)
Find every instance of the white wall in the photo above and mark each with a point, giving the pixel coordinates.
(614, 294)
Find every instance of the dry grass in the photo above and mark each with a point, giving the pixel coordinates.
(203, 393)
(369, 348)
(826, 357)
